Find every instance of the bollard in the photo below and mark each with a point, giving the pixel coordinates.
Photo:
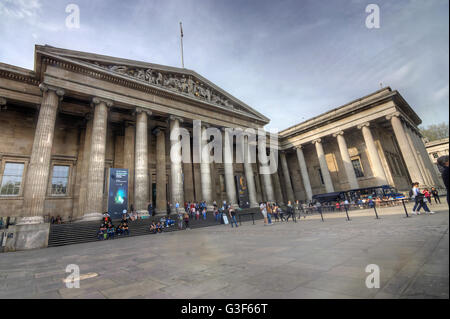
(240, 224)
(404, 206)
(253, 218)
(346, 212)
(375, 209)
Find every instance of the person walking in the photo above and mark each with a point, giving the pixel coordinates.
(435, 194)
(186, 220)
(263, 209)
(427, 195)
(290, 212)
(419, 201)
(443, 162)
(269, 213)
(232, 214)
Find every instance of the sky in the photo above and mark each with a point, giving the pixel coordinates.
(288, 59)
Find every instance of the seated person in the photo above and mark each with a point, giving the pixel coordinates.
(169, 222)
(119, 230)
(110, 231)
(153, 228)
(159, 227)
(125, 228)
(101, 232)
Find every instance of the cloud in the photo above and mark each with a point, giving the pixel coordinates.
(441, 94)
(19, 9)
(291, 60)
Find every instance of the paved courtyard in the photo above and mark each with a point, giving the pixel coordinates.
(309, 259)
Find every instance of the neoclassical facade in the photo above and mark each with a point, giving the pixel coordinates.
(437, 149)
(78, 114)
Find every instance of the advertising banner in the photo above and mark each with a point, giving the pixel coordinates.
(118, 192)
(241, 185)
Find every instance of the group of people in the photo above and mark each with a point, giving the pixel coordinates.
(107, 229)
(195, 209)
(271, 208)
(421, 198)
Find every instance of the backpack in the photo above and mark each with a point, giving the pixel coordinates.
(411, 193)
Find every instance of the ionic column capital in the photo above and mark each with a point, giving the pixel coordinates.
(395, 114)
(318, 140)
(338, 133)
(140, 110)
(129, 123)
(58, 91)
(97, 100)
(157, 131)
(299, 147)
(176, 118)
(366, 124)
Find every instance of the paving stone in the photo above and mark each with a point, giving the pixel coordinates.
(309, 259)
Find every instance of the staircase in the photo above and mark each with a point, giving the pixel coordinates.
(83, 232)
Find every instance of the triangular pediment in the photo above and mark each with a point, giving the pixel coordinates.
(180, 81)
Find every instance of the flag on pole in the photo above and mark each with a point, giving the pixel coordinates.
(181, 29)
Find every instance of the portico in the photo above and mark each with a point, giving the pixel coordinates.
(79, 114)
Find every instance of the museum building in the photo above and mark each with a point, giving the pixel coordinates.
(77, 115)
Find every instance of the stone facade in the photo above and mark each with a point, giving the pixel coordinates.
(436, 149)
(84, 113)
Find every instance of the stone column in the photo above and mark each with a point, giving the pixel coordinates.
(348, 167)
(287, 178)
(161, 182)
(230, 185)
(85, 167)
(188, 180)
(323, 166)
(39, 167)
(407, 152)
(304, 171)
(176, 171)
(267, 178)
(141, 176)
(128, 157)
(277, 188)
(249, 176)
(377, 167)
(96, 171)
(436, 180)
(417, 156)
(205, 170)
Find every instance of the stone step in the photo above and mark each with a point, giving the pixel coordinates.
(82, 232)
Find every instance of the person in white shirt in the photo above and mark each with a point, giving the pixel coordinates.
(263, 209)
(419, 202)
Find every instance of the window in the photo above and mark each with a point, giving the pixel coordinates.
(12, 179)
(357, 167)
(321, 176)
(435, 155)
(60, 180)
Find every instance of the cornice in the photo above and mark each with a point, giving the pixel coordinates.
(101, 73)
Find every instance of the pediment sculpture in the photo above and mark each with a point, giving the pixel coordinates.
(181, 83)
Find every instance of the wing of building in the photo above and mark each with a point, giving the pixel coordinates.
(79, 121)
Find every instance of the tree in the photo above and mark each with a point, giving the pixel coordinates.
(435, 131)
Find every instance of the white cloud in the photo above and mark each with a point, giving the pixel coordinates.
(19, 8)
(441, 94)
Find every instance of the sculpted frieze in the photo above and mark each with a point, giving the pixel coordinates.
(181, 83)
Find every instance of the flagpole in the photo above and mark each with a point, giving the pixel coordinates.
(181, 38)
